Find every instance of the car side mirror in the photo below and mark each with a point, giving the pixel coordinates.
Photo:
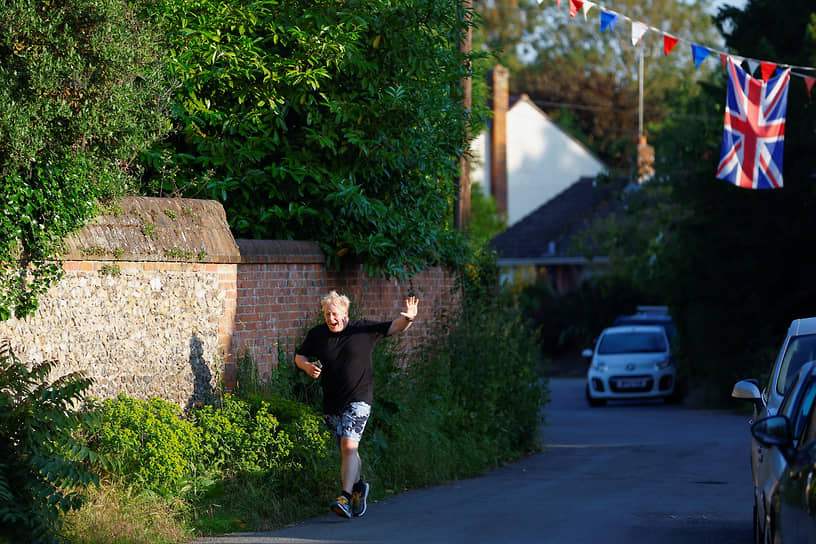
(773, 431)
(748, 390)
(586, 353)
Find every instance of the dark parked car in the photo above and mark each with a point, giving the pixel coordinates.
(791, 516)
(649, 315)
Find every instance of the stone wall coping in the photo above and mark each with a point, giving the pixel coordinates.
(150, 229)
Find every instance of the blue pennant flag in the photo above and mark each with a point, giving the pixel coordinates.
(608, 19)
(700, 53)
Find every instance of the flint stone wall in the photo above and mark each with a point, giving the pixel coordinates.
(159, 300)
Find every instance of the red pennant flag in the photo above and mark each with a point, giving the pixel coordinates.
(575, 6)
(558, 3)
(767, 69)
(809, 81)
(668, 43)
(723, 58)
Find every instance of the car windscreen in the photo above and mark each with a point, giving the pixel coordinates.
(800, 350)
(632, 342)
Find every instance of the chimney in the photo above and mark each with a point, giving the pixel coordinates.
(498, 137)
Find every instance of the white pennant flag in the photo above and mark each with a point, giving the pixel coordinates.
(586, 7)
(638, 30)
(752, 66)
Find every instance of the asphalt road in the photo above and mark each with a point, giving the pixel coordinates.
(624, 473)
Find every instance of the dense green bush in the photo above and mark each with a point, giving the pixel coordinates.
(147, 442)
(468, 400)
(82, 90)
(294, 112)
(41, 473)
(240, 437)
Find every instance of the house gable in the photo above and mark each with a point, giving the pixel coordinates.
(542, 159)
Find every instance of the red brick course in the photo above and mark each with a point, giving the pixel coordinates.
(279, 288)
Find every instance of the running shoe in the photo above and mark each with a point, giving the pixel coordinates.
(359, 497)
(341, 507)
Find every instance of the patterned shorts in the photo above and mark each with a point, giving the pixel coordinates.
(351, 423)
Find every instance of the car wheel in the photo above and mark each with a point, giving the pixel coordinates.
(593, 401)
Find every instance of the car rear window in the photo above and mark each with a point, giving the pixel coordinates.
(632, 342)
(800, 350)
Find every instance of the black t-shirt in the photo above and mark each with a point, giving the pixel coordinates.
(348, 374)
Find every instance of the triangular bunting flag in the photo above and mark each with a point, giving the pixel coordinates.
(608, 20)
(638, 30)
(754, 130)
(752, 66)
(575, 5)
(723, 59)
(767, 69)
(809, 81)
(699, 53)
(668, 43)
(587, 6)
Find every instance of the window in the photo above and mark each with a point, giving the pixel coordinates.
(799, 416)
(632, 342)
(801, 349)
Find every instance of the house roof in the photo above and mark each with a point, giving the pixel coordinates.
(546, 234)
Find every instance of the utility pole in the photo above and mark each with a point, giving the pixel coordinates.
(645, 152)
(461, 212)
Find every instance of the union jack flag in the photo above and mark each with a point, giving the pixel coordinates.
(754, 133)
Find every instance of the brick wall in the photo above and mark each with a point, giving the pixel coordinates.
(280, 284)
(159, 300)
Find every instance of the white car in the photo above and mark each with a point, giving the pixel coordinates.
(768, 464)
(630, 362)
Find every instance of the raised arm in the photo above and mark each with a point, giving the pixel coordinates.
(405, 318)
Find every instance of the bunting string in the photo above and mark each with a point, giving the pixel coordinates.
(609, 18)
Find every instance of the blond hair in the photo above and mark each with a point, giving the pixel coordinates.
(335, 299)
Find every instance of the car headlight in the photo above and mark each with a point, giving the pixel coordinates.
(599, 366)
(663, 365)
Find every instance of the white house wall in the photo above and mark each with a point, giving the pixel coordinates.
(542, 160)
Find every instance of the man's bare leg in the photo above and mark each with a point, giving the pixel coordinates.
(352, 465)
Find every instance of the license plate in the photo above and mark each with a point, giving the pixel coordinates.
(632, 383)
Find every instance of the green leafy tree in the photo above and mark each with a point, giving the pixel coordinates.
(337, 122)
(41, 475)
(587, 80)
(82, 89)
(730, 262)
(734, 240)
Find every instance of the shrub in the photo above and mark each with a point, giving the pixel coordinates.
(465, 402)
(147, 441)
(40, 476)
(239, 437)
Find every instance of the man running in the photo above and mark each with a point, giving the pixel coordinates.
(340, 350)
